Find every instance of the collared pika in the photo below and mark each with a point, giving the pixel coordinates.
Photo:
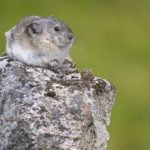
(38, 41)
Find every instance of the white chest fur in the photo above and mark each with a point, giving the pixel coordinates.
(40, 58)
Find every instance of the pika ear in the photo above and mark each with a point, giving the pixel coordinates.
(52, 17)
(33, 28)
(7, 34)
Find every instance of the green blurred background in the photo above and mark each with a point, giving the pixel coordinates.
(112, 38)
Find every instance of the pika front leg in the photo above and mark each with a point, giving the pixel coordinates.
(53, 64)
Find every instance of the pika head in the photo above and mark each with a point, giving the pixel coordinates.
(38, 41)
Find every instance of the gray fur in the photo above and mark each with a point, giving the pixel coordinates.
(44, 37)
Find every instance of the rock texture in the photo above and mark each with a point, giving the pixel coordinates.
(44, 110)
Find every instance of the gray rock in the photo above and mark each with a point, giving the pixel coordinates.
(40, 109)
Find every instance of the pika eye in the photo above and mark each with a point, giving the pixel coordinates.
(57, 29)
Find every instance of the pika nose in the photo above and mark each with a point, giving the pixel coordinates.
(70, 36)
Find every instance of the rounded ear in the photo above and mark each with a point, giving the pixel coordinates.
(33, 28)
(52, 17)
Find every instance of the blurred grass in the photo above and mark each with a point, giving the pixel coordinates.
(113, 39)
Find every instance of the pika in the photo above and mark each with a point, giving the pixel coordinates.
(39, 41)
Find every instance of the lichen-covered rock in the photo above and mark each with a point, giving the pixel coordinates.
(44, 110)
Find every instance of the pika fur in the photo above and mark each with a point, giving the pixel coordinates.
(39, 41)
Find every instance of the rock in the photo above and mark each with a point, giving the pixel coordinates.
(45, 110)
